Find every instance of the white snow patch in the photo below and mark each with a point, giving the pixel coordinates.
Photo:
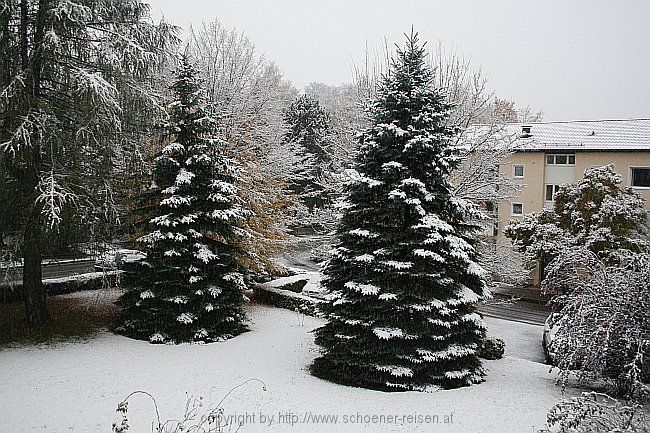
(184, 177)
(186, 318)
(429, 254)
(363, 233)
(392, 165)
(276, 350)
(204, 253)
(395, 370)
(388, 333)
(397, 264)
(451, 352)
(364, 289)
(464, 295)
(433, 222)
(176, 201)
(157, 338)
(147, 294)
(476, 269)
(188, 219)
(178, 299)
(365, 258)
(173, 147)
(458, 374)
(215, 291)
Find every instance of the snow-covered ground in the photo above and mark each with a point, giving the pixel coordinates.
(76, 386)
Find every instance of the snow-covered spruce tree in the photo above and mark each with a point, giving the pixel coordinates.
(188, 288)
(308, 124)
(403, 276)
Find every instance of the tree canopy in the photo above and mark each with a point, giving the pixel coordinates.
(403, 276)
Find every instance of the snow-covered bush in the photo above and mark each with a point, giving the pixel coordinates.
(595, 212)
(492, 348)
(502, 263)
(594, 412)
(603, 325)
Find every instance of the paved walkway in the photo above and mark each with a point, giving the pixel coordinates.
(517, 311)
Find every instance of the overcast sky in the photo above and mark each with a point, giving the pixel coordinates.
(574, 59)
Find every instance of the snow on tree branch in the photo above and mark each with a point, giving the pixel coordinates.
(602, 321)
(53, 198)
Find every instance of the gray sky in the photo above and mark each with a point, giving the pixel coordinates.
(575, 59)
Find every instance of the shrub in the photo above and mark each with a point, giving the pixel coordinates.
(595, 412)
(603, 326)
(493, 348)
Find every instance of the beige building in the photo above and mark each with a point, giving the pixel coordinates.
(547, 155)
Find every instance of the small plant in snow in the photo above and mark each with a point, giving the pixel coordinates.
(492, 348)
(196, 417)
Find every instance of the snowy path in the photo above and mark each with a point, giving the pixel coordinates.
(518, 311)
(75, 386)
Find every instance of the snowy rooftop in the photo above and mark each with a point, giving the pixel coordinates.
(598, 135)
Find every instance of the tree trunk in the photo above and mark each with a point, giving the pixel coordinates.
(36, 312)
(24, 40)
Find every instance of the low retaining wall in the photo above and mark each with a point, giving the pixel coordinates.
(61, 286)
(286, 299)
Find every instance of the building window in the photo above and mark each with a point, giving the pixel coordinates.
(640, 177)
(518, 171)
(560, 159)
(551, 190)
(517, 209)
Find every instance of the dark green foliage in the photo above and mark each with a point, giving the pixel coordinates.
(188, 287)
(403, 276)
(493, 348)
(308, 125)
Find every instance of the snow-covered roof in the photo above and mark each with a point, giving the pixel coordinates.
(583, 135)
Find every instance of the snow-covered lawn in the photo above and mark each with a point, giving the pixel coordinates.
(75, 386)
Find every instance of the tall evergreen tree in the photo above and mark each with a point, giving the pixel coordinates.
(188, 288)
(308, 125)
(74, 78)
(403, 277)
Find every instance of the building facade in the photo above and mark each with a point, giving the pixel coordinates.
(547, 155)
